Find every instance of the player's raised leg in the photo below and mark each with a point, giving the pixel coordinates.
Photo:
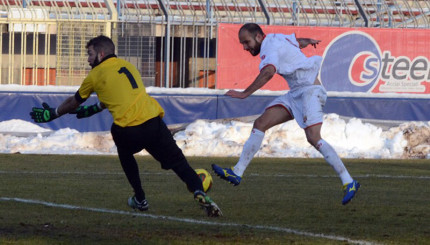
(350, 186)
(272, 116)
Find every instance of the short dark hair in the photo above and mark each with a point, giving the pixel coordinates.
(102, 43)
(252, 28)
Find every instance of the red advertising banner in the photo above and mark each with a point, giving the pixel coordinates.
(366, 60)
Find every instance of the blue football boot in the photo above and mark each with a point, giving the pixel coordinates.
(349, 191)
(227, 174)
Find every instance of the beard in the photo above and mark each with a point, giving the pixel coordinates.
(256, 50)
(96, 62)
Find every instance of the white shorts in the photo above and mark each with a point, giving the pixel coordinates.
(304, 104)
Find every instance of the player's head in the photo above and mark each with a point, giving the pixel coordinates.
(251, 36)
(98, 48)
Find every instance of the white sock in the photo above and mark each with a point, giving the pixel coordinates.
(333, 159)
(252, 145)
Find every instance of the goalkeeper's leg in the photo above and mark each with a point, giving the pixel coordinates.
(131, 170)
(188, 176)
(164, 149)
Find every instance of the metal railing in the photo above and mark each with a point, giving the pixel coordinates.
(173, 43)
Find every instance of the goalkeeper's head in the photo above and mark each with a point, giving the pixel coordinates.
(98, 48)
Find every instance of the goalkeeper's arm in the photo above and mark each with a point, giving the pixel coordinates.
(47, 113)
(87, 111)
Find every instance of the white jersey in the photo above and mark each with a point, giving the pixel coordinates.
(283, 52)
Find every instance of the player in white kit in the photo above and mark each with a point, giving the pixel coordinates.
(281, 54)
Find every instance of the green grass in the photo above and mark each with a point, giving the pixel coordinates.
(392, 207)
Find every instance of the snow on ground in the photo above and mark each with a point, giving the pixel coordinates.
(351, 138)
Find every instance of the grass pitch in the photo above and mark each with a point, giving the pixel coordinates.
(57, 199)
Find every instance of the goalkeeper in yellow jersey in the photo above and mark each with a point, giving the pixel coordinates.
(137, 120)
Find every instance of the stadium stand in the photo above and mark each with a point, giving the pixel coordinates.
(42, 40)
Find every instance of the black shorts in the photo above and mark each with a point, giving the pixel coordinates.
(153, 136)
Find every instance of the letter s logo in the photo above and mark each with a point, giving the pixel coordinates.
(352, 62)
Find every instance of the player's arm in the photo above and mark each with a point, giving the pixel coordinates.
(83, 111)
(47, 113)
(69, 105)
(304, 42)
(265, 75)
(88, 110)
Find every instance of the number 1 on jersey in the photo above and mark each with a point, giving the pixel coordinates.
(129, 76)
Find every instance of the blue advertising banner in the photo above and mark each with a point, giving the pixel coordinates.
(188, 108)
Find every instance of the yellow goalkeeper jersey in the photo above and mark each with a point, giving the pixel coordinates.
(119, 87)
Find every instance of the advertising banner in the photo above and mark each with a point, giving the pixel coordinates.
(366, 60)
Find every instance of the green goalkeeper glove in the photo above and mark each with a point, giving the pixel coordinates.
(87, 111)
(43, 115)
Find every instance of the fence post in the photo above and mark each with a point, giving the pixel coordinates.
(166, 43)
